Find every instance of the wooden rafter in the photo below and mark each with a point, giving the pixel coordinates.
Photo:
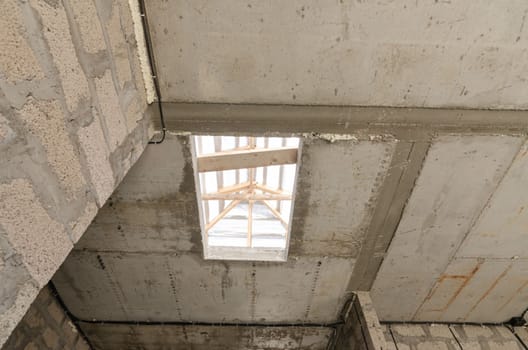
(251, 158)
(276, 214)
(250, 224)
(237, 171)
(246, 196)
(203, 182)
(265, 188)
(222, 214)
(219, 174)
(234, 188)
(281, 176)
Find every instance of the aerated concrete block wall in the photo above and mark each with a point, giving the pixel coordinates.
(46, 326)
(361, 329)
(72, 122)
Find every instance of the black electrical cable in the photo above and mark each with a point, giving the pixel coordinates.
(150, 54)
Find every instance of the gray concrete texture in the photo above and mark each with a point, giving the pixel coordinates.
(457, 253)
(200, 337)
(450, 337)
(72, 122)
(141, 259)
(383, 53)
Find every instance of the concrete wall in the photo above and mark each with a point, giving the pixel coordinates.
(46, 326)
(72, 122)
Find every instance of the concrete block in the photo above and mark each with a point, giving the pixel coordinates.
(477, 331)
(79, 226)
(70, 333)
(111, 110)
(408, 330)
(18, 61)
(56, 312)
(119, 46)
(423, 337)
(135, 109)
(85, 14)
(93, 144)
(440, 331)
(81, 344)
(26, 293)
(475, 337)
(32, 346)
(51, 338)
(6, 133)
(432, 345)
(41, 241)
(57, 33)
(45, 120)
(13, 273)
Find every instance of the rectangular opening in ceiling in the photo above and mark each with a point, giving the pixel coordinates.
(245, 188)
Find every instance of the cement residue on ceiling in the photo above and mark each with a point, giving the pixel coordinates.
(469, 54)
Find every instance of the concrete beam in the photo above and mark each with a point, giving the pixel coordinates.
(397, 187)
(403, 123)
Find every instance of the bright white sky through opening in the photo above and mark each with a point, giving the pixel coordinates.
(246, 186)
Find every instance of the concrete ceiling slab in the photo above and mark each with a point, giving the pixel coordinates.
(473, 290)
(503, 224)
(141, 259)
(384, 53)
(459, 175)
(155, 208)
(337, 188)
(200, 337)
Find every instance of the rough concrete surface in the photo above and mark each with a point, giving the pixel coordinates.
(459, 176)
(382, 53)
(62, 153)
